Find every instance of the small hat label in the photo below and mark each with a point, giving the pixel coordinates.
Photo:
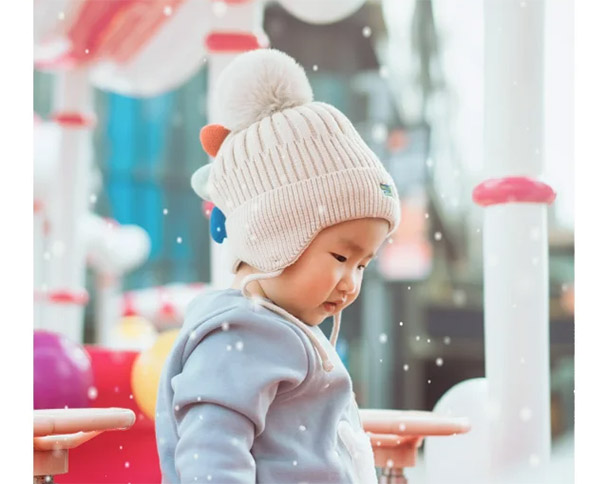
(387, 190)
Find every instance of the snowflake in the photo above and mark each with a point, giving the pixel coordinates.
(167, 10)
(219, 8)
(406, 367)
(239, 346)
(165, 211)
(225, 326)
(295, 462)
(92, 393)
(302, 428)
(383, 338)
(525, 414)
(315, 67)
(367, 31)
(534, 460)
(439, 361)
(438, 236)
(127, 465)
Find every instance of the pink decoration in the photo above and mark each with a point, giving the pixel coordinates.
(512, 189)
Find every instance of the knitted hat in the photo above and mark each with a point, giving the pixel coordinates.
(286, 167)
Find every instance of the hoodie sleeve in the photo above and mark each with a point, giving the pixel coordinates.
(231, 375)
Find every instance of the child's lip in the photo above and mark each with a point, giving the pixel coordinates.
(330, 306)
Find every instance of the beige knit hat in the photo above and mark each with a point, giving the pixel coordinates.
(285, 167)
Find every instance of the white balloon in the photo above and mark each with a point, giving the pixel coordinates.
(321, 11)
(173, 55)
(461, 459)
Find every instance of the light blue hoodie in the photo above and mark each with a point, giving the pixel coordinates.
(244, 398)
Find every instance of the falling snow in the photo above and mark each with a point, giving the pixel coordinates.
(127, 465)
(525, 414)
(225, 326)
(438, 236)
(383, 338)
(239, 346)
(379, 133)
(439, 361)
(295, 462)
(534, 460)
(406, 367)
(401, 426)
(93, 198)
(167, 10)
(219, 8)
(92, 393)
(315, 67)
(459, 297)
(400, 323)
(367, 32)
(302, 428)
(384, 72)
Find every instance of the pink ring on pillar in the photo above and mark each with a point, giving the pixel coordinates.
(516, 189)
(64, 296)
(226, 42)
(75, 120)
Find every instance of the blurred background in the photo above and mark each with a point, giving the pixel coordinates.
(410, 75)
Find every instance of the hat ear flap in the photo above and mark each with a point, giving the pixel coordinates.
(212, 136)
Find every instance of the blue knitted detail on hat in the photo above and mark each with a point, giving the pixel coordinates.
(217, 225)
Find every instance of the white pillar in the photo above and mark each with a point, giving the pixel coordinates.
(68, 204)
(515, 242)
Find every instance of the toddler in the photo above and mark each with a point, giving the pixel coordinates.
(252, 390)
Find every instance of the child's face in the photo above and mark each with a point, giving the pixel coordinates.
(330, 269)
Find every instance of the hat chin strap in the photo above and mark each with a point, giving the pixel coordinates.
(326, 362)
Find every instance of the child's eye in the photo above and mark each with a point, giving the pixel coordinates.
(341, 258)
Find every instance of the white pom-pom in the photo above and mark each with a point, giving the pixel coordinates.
(255, 85)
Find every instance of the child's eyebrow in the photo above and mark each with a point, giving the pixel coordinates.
(353, 245)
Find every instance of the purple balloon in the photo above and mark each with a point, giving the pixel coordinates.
(62, 372)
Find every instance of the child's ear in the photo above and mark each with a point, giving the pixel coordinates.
(212, 136)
